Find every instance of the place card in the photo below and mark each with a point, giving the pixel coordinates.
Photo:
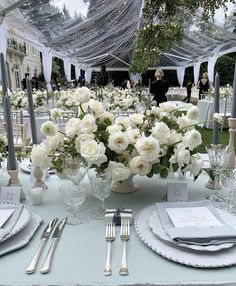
(177, 192)
(4, 215)
(10, 194)
(192, 217)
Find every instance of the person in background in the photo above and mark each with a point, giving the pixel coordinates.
(124, 84)
(24, 81)
(203, 85)
(189, 86)
(35, 81)
(159, 87)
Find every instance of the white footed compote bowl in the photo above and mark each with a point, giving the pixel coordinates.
(228, 181)
(217, 157)
(74, 192)
(101, 184)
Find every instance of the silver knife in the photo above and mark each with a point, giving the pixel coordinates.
(55, 238)
(44, 237)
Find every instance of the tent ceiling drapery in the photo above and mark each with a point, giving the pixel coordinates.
(106, 34)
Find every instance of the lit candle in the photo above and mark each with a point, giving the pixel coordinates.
(11, 147)
(36, 195)
(31, 112)
(3, 73)
(233, 112)
(216, 109)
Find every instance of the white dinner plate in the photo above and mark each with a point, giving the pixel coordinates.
(26, 167)
(21, 238)
(22, 221)
(155, 225)
(200, 259)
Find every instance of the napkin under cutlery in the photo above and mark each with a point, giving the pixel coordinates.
(196, 235)
(116, 215)
(11, 222)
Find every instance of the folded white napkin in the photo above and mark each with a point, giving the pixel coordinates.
(215, 235)
(11, 222)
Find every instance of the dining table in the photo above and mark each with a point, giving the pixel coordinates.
(80, 255)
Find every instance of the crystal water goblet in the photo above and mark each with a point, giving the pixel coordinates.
(228, 181)
(74, 196)
(101, 184)
(217, 158)
(74, 170)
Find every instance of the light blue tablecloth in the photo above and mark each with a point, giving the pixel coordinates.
(80, 255)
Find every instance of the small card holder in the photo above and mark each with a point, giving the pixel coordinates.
(116, 215)
(177, 192)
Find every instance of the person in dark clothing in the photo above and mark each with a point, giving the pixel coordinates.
(203, 85)
(189, 90)
(24, 81)
(35, 81)
(159, 87)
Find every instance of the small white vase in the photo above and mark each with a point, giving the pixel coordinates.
(125, 187)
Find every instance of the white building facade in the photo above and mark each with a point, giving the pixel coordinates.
(22, 57)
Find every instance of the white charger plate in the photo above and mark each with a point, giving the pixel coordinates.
(21, 238)
(26, 167)
(155, 225)
(201, 259)
(22, 221)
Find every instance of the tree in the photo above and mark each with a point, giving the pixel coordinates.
(164, 24)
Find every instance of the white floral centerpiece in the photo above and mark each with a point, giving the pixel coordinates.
(39, 98)
(160, 141)
(18, 99)
(72, 98)
(226, 91)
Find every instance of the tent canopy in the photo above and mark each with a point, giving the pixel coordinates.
(105, 32)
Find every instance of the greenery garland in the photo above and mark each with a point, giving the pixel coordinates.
(165, 22)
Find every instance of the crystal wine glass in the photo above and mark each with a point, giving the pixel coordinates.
(217, 158)
(228, 181)
(101, 187)
(74, 169)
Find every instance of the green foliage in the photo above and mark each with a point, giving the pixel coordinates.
(225, 67)
(164, 25)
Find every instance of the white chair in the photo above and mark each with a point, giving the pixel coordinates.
(227, 112)
(19, 131)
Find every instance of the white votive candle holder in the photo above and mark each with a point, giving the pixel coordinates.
(36, 195)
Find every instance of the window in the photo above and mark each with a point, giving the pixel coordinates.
(33, 51)
(17, 75)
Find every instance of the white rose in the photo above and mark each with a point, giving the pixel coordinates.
(140, 166)
(55, 113)
(82, 94)
(148, 147)
(93, 152)
(133, 135)
(192, 139)
(136, 119)
(114, 128)
(156, 111)
(196, 167)
(96, 107)
(39, 156)
(68, 103)
(73, 127)
(82, 138)
(183, 157)
(161, 132)
(167, 107)
(193, 113)
(88, 124)
(48, 128)
(119, 172)
(118, 142)
(106, 115)
(53, 142)
(123, 121)
(183, 122)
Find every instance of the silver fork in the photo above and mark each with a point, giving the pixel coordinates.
(110, 236)
(124, 236)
